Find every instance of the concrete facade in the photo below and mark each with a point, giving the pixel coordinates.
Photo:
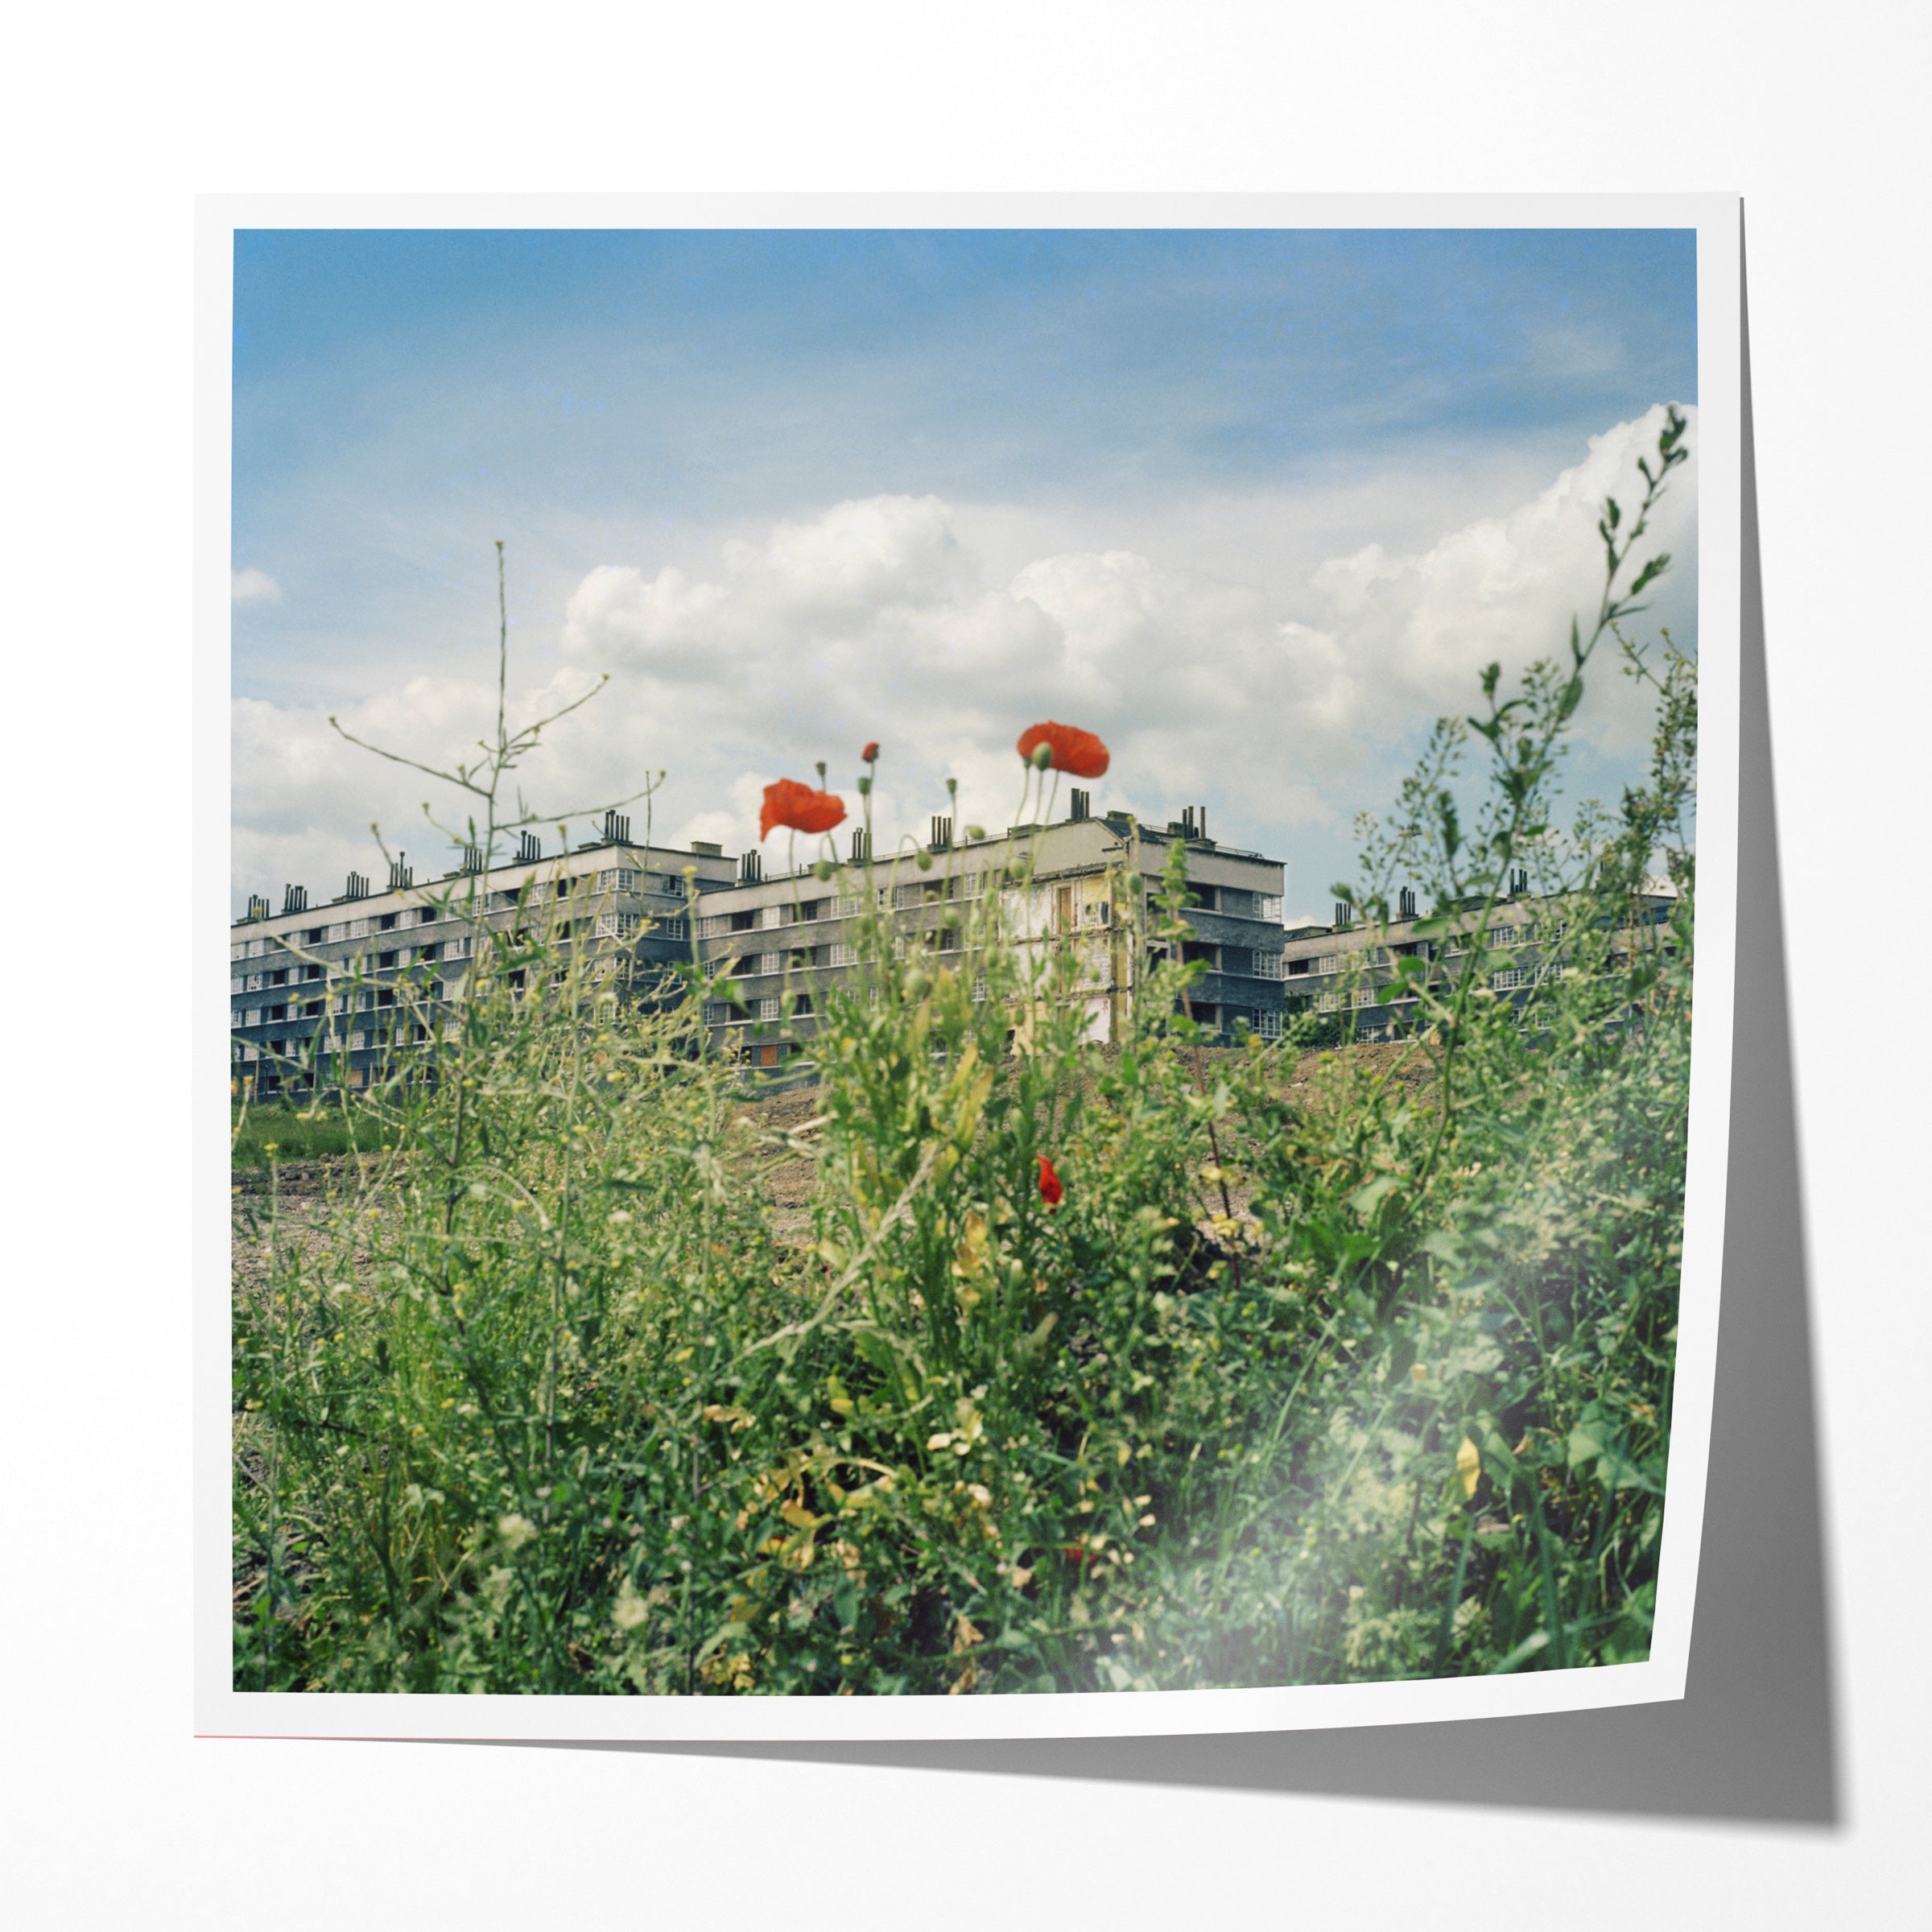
(1343, 971)
(345, 974)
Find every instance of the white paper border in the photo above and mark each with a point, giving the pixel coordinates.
(221, 1710)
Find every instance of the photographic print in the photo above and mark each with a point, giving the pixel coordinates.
(961, 964)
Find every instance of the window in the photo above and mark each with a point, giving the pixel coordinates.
(1364, 996)
(240, 985)
(426, 915)
(812, 909)
(718, 1013)
(257, 947)
(1511, 978)
(978, 990)
(428, 952)
(771, 916)
(1095, 912)
(358, 929)
(844, 956)
(617, 878)
(1505, 935)
(239, 951)
(615, 925)
(386, 958)
(1268, 906)
(358, 1041)
(673, 928)
(1328, 1002)
(1270, 1027)
(768, 1007)
(849, 904)
(768, 962)
(714, 925)
(456, 949)
(1269, 966)
(256, 982)
(1326, 962)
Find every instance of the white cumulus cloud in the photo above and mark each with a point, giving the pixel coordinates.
(1277, 705)
(253, 586)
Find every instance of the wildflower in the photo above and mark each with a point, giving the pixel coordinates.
(870, 754)
(1069, 749)
(799, 806)
(1052, 1191)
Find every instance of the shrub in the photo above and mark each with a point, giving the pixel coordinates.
(537, 1399)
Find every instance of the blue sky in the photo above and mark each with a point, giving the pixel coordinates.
(726, 462)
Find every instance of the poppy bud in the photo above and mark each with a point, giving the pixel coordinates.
(869, 755)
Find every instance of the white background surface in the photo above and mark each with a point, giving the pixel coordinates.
(115, 1815)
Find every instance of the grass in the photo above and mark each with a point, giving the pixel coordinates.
(278, 1131)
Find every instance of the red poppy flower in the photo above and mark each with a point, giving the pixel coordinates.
(1052, 1191)
(790, 803)
(1077, 752)
(1074, 1554)
(869, 755)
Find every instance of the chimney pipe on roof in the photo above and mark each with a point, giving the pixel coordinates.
(751, 868)
(294, 898)
(1081, 806)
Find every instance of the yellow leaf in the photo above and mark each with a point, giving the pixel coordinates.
(1469, 1466)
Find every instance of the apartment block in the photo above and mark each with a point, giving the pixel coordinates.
(1347, 969)
(788, 936)
(350, 973)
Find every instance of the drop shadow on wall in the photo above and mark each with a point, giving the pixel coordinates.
(1755, 1738)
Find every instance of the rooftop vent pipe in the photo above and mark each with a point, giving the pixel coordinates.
(617, 828)
(294, 898)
